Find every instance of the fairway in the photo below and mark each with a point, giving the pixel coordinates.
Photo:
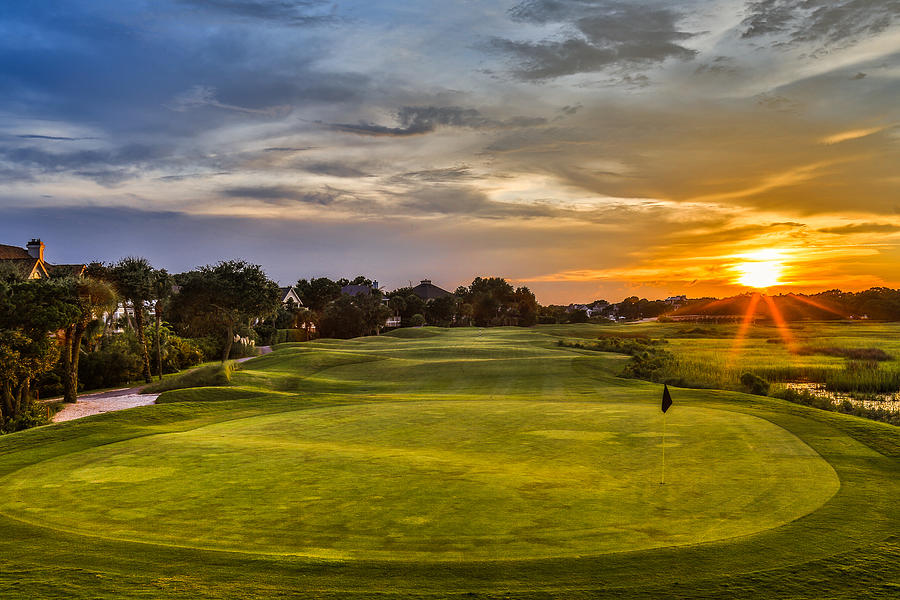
(435, 463)
(435, 481)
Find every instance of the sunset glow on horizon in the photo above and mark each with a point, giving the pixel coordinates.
(588, 150)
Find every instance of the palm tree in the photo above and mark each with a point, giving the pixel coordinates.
(134, 279)
(163, 285)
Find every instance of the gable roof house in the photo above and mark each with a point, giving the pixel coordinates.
(289, 294)
(29, 262)
(428, 291)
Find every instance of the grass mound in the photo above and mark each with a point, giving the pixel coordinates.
(208, 375)
(414, 333)
(212, 394)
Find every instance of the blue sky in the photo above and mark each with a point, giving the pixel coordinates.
(584, 148)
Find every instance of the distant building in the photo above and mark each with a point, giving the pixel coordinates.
(428, 291)
(359, 290)
(676, 301)
(29, 262)
(289, 294)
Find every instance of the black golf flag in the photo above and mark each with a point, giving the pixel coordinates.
(667, 399)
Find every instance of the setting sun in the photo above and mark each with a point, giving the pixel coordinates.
(760, 269)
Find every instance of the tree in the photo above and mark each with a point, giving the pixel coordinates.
(220, 297)
(93, 298)
(163, 285)
(343, 319)
(318, 292)
(30, 311)
(134, 280)
(441, 311)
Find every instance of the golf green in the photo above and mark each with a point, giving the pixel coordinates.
(448, 480)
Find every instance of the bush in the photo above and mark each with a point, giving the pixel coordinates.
(31, 416)
(180, 353)
(755, 384)
(417, 320)
(284, 336)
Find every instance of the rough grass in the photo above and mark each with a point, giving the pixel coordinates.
(376, 410)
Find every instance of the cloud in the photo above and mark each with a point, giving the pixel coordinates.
(291, 12)
(827, 21)
(418, 120)
(595, 36)
(280, 195)
(199, 96)
(853, 134)
(862, 228)
(334, 169)
(107, 167)
(58, 138)
(439, 175)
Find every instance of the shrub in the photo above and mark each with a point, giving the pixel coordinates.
(289, 335)
(755, 384)
(417, 320)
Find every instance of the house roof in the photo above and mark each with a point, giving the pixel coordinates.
(356, 290)
(63, 270)
(290, 293)
(21, 262)
(23, 267)
(428, 291)
(13, 253)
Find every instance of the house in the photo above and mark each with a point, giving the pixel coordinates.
(676, 301)
(289, 294)
(428, 291)
(29, 263)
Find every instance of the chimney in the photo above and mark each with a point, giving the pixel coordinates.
(36, 249)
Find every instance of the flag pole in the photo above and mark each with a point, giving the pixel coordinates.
(662, 479)
(666, 404)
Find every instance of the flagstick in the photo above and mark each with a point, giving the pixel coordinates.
(662, 479)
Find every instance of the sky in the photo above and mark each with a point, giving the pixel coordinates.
(586, 148)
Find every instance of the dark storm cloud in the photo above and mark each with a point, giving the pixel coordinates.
(820, 20)
(295, 12)
(596, 35)
(417, 120)
(862, 228)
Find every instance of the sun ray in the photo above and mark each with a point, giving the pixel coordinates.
(818, 305)
(780, 324)
(742, 330)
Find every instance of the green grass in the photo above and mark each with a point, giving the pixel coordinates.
(215, 374)
(464, 463)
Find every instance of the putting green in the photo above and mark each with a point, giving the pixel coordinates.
(434, 481)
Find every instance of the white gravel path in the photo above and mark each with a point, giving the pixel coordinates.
(94, 404)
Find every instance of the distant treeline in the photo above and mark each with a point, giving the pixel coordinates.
(879, 303)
